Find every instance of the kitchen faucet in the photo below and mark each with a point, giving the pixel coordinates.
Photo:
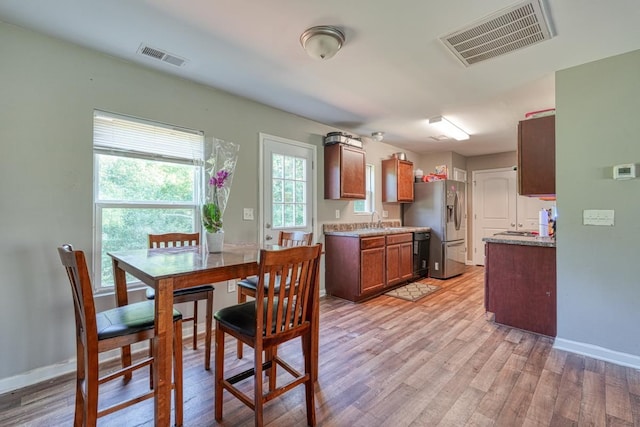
(379, 223)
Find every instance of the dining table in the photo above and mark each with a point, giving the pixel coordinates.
(168, 269)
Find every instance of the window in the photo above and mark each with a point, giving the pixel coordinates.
(147, 179)
(289, 187)
(366, 206)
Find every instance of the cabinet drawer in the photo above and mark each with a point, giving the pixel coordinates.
(392, 239)
(371, 242)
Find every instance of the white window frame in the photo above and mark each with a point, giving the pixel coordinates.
(154, 148)
(370, 191)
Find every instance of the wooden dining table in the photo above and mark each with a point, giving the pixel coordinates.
(168, 269)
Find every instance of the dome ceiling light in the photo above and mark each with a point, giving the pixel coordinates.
(377, 136)
(322, 42)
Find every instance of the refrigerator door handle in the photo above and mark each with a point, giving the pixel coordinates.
(457, 212)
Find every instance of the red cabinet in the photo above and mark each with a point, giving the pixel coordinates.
(537, 157)
(344, 172)
(397, 181)
(520, 286)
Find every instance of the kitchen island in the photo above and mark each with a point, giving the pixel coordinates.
(362, 263)
(520, 282)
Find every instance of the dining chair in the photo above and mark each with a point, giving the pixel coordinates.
(278, 314)
(98, 332)
(247, 286)
(194, 294)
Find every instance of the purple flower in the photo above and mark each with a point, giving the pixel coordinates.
(219, 178)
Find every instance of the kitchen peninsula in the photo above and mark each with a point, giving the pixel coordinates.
(362, 262)
(520, 281)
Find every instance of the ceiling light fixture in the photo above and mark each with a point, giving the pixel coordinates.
(377, 136)
(322, 42)
(448, 128)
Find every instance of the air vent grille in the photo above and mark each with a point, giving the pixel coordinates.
(510, 29)
(161, 55)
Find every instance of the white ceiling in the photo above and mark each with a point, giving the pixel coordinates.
(391, 75)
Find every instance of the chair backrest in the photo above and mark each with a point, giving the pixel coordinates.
(287, 307)
(75, 264)
(294, 238)
(167, 240)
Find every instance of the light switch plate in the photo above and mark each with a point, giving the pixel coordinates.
(247, 214)
(603, 217)
(385, 214)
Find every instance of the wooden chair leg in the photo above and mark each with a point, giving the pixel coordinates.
(91, 397)
(242, 298)
(307, 344)
(219, 372)
(195, 325)
(270, 355)
(207, 332)
(80, 381)
(178, 373)
(258, 398)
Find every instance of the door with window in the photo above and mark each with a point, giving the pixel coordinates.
(287, 187)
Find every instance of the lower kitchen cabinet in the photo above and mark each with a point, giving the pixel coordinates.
(520, 286)
(399, 258)
(358, 268)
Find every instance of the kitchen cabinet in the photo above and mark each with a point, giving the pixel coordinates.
(397, 181)
(537, 157)
(344, 172)
(520, 286)
(399, 253)
(358, 268)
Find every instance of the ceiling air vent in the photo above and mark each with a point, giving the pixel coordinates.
(161, 55)
(510, 29)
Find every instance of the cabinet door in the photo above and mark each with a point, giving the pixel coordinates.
(537, 157)
(352, 182)
(371, 269)
(405, 181)
(406, 261)
(344, 172)
(397, 181)
(393, 264)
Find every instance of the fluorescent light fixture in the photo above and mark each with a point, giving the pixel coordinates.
(448, 128)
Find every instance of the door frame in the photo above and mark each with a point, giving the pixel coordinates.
(314, 184)
(474, 216)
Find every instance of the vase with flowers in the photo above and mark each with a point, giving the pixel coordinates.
(219, 168)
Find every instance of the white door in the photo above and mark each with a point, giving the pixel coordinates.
(287, 187)
(497, 207)
(494, 206)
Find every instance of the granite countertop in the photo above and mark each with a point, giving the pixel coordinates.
(549, 242)
(365, 232)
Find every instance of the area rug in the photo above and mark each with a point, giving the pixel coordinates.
(413, 291)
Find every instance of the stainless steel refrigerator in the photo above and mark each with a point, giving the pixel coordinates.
(440, 205)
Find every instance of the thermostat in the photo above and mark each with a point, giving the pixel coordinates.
(627, 171)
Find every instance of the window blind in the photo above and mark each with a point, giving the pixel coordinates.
(113, 133)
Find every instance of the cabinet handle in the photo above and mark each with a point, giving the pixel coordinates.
(548, 294)
(513, 224)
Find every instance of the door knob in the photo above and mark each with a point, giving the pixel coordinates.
(513, 224)
(267, 225)
(520, 225)
(268, 237)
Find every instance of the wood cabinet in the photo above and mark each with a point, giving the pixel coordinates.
(344, 172)
(397, 181)
(399, 258)
(520, 286)
(358, 268)
(537, 157)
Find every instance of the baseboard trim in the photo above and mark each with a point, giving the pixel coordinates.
(597, 352)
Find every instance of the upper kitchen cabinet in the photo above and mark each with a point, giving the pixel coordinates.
(537, 157)
(397, 181)
(344, 172)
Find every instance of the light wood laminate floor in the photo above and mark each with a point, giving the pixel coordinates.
(387, 362)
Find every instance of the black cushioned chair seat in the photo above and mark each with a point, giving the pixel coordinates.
(241, 317)
(128, 319)
(151, 293)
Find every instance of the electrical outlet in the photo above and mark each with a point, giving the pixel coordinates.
(231, 285)
(337, 213)
(385, 214)
(436, 266)
(247, 214)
